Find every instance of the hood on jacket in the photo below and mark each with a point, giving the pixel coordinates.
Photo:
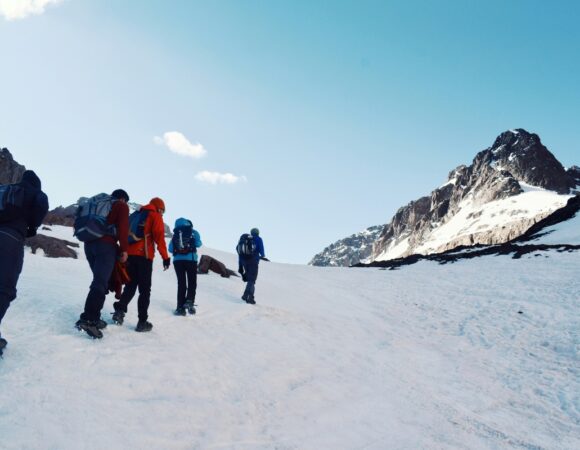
(31, 178)
(182, 222)
(157, 203)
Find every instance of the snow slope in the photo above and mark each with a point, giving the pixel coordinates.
(480, 354)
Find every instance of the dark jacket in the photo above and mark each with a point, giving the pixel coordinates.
(119, 217)
(34, 209)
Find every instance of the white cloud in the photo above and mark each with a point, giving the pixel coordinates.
(178, 143)
(222, 178)
(20, 9)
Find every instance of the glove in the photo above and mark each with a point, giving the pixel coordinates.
(166, 263)
(31, 232)
(241, 270)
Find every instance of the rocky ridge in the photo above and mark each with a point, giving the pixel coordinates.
(479, 204)
(350, 250)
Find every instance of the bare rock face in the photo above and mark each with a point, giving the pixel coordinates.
(496, 173)
(62, 216)
(52, 247)
(10, 171)
(348, 251)
(516, 161)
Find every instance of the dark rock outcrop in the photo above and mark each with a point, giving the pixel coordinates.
(10, 170)
(52, 247)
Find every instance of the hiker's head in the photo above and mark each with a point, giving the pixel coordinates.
(159, 204)
(183, 222)
(255, 232)
(30, 177)
(120, 194)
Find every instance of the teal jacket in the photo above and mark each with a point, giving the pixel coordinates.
(188, 256)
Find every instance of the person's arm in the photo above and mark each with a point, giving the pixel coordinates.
(39, 210)
(261, 251)
(158, 232)
(170, 247)
(197, 239)
(120, 218)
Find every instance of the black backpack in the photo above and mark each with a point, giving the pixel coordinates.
(11, 202)
(246, 246)
(183, 240)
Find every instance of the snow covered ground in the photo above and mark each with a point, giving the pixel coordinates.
(480, 354)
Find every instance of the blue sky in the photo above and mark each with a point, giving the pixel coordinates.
(329, 115)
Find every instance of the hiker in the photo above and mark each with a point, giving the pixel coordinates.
(22, 208)
(144, 233)
(101, 252)
(183, 246)
(250, 249)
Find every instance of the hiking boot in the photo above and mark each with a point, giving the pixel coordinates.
(90, 327)
(118, 317)
(180, 311)
(143, 326)
(190, 307)
(250, 300)
(101, 324)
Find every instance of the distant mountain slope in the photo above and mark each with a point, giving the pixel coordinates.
(560, 231)
(508, 188)
(350, 250)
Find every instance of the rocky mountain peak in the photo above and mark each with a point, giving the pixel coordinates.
(528, 160)
(10, 170)
(478, 204)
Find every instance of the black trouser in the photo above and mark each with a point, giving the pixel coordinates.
(11, 259)
(101, 257)
(251, 275)
(186, 272)
(140, 270)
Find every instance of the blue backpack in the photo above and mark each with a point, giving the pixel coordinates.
(11, 201)
(137, 225)
(91, 221)
(183, 240)
(246, 246)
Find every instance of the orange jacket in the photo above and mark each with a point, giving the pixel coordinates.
(154, 233)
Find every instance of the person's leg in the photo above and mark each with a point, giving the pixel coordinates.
(101, 256)
(180, 271)
(11, 259)
(191, 281)
(251, 271)
(131, 287)
(145, 275)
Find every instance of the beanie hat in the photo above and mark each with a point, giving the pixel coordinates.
(120, 194)
(255, 232)
(158, 203)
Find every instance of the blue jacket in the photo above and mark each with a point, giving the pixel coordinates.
(260, 253)
(188, 256)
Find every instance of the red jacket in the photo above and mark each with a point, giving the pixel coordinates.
(119, 216)
(154, 232)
